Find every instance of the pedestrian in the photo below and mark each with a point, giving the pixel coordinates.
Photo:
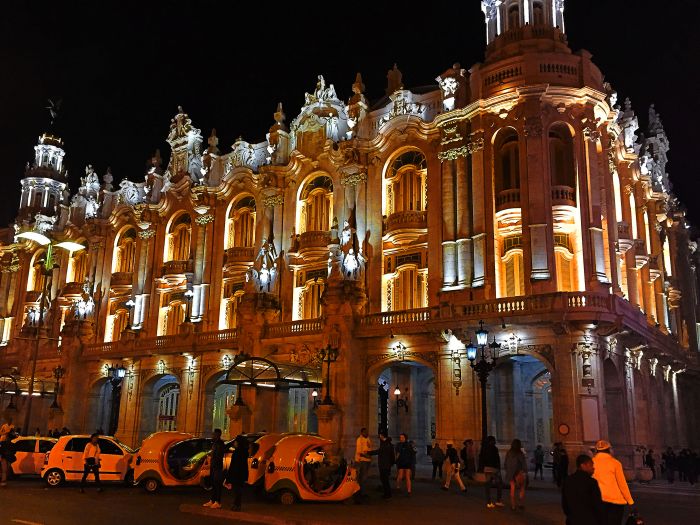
(562, 465)
(37, 432)
(404, 458)
(414, 455)
(385, 460)
(669, 464)
(538, 459)
(91, 462)
(237, 475)
(650, 462)
(452, 468)
(65, 431)
(437, 456)
(216, 469)
(580, 495)
(468, 456)
(6, 449)
(362, 461)
(516, 473)
(56, 433)
(490, 463)
(556, 458)
(611, 480)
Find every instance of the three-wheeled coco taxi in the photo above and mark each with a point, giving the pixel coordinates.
(302, 467)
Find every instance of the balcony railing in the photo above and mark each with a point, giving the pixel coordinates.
(122, 279)
(314, 239)
(239, 254)
(508, 199)
(406, 220)
(304, 326)
(72, 289)
(176, 268)
(563, 196)
(398, 317)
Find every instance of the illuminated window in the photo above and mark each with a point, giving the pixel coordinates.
(241, 224)
(647, 232)
(311, 306)
(667, 258)
(77, 267)
(633, 215)
(513, 275)
(561, 157)
(537, 13)
(232, 305)
(120, 321)
(514, 17)
(405, 188)
(316, 205)
(36, 276)
(407, 289)
(564, 261)
(618, 196)
(125, 252)
(171, 317)
(178, 240)
(507, 161)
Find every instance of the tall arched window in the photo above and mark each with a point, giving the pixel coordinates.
(316, 205)
(310, 300)
(120, 321)
(513, 270)
(561, 156)
(407, 289)
(36, 279)
(232, 305)
(178, 240)
(507, 161)
(564, 261)
(513, 16)
(77, 267)
(125, 252)
(537, 13)
(406, 183)
(241, 224)
(174, 316)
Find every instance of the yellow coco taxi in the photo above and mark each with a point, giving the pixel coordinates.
(65, 460)
(171, 459)
(303, 467)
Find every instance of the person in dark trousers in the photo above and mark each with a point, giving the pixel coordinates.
(490, 463)
(216, 470)
(580, 495)
(538, 459)
(562, 466)
(385, 459)
(438, 458)
(91, 462)
(468, 458)
(650, 462)
(237, 475)
(669, 464)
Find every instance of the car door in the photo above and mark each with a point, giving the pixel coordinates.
(24, 454)
(72, 458)
(42, 447)
(112, 461)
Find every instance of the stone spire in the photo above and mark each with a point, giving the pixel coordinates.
(393, 80)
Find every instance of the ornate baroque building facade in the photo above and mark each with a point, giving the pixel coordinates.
(517, 192)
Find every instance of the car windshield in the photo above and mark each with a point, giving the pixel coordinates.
(125, 447)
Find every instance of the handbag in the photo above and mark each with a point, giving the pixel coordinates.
(90, 462)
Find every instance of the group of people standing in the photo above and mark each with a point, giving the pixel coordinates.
(686, 463)
(403, 455)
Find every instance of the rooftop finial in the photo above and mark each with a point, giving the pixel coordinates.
(394, 80)
(53, 107)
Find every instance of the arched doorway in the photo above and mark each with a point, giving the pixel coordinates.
(218, 398)
(402, 400)
(99, 406)
(614, 404)
(161, 396)
(641, 410)
(519, 402)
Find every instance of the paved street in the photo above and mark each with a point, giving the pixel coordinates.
(28, 502)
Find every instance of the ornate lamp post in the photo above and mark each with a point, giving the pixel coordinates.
(483, 360)
(130, 305)
(46, 269)
(188, 295)
(58, 373)
(116, 377)
(314, 395)
(328, 355)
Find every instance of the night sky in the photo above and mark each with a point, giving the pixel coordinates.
(122, 71)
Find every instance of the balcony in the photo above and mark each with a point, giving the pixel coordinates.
(122, 279)
(72, 289)
(624, 239)
(508, 199)
(176, 268)
(303, 326)
(414, 220)
(314, 241)
(641, 256)
(239, 254)
(563, 196)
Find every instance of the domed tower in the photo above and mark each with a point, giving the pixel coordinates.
(544, 128)
(44, 182)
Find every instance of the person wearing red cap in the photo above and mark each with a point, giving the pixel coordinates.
(613, 485)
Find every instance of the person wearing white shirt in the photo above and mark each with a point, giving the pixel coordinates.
(91, 461)
(362, 460)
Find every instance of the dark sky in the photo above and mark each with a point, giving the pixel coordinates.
(121, 71)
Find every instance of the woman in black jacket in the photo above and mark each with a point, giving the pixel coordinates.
(490, 461)
(237, 474)
(386, 459)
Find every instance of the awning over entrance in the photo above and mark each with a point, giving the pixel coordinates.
(16, 385)
(259, 371)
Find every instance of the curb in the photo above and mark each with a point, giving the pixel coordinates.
(246, 517)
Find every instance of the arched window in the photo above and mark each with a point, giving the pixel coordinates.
(561, 156)
(172, 316)
(125, 252)
(232, 305)
(513, 270)
(120, 321)
(513, 16)
(406, 183)
(537, 13)
(407, 289)
(564, 261)
(316, 205)
(35, 283)
(507, 161)
(241, 224)
(77, 267)
(310, 306)
(168, 400)
(178, 240)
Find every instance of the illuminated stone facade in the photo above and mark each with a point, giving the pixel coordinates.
(517, 192)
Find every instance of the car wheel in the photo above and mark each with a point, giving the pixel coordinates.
(54, 478)
(151, 485)
(286, 497)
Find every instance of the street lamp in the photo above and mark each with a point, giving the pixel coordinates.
(116, 377)
(314, 395)
(58, 373)
(328, 355)
(400, 403)
(46, 269)
(188, 295)
(130, 305)
(483, 359)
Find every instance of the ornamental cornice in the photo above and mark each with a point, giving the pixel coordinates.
(354, 179)
(146, 234)
(203, 220)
